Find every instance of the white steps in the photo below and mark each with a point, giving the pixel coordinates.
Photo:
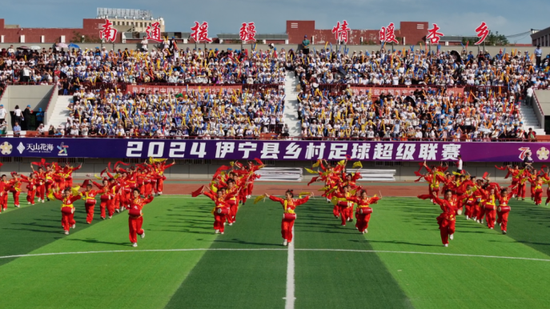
(290, 116)
(530, 119)
(60, 111)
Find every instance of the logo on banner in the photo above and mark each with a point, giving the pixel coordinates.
(6, 148)
(543, 153)
(523, 152)
(21, 148)
(63, 150)
(42, 148)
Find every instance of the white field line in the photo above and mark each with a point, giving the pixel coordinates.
(275, 249)
(289, 303)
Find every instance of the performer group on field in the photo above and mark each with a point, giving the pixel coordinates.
(122, 187)
(125, 187)
(479, 199)
(232, 185)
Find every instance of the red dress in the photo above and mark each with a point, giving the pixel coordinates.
(135, 216)
(363, 211)
(289, 215)
(67, 209)
(446, 219)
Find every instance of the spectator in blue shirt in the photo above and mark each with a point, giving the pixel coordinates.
(16, 129)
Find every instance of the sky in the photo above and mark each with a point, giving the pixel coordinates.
(225, 16)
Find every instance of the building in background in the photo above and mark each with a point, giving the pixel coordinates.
(130, 20)
(541, 37)
(409, 32)
(15, 34)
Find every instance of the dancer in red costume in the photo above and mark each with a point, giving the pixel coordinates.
(4, 192)
(289, 204)
(363, 210)
(89, 200)
(447, 219)
(40, 175)
(536, 188)
(67, 208)
(135, 215)
(221, 208)
(504, 209)
(344, 200)
(15, 188)
(105, 197)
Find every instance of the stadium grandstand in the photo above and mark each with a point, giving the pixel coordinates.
(325, 94)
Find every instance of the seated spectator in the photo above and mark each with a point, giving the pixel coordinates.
(41, 129)
(16, 129)
(221, 114)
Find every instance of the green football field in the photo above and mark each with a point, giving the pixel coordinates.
(181, 263)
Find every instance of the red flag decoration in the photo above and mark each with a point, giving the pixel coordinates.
(314, 179)
(502, 168)
(485, 175)
(219, 170)
(121, 163)
(197, 192)
(259, 161)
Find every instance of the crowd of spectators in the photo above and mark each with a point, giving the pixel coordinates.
(419, 114)
(195, 114)
(422, 113)
(72, 68)
(406, 68)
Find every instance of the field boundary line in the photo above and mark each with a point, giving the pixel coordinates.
(290, 298)
(273, 249)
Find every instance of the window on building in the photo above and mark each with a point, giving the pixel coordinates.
(420, 26)
(22, 39)
(294, 25)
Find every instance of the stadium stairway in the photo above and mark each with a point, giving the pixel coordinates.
(290, 116)
(530, 119)
(60, 111)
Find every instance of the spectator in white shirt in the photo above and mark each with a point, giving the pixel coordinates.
(2, 113)
(529, 99)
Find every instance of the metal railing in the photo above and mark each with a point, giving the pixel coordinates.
(278, 137)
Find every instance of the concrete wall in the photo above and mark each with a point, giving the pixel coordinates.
(35, 96)
(204, 171)
(91, 28)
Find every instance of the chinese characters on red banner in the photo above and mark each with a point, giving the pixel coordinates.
(200, 32)
(387, 34)
(108, 33)
(433, 35)
(341, 32)
(482, 33)
(153, 32)
(247, 32)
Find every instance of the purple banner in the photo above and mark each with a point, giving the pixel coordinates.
(272, 150)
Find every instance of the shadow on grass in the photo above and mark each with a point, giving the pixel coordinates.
(243, 242)
(399, 243)
(95, 241)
